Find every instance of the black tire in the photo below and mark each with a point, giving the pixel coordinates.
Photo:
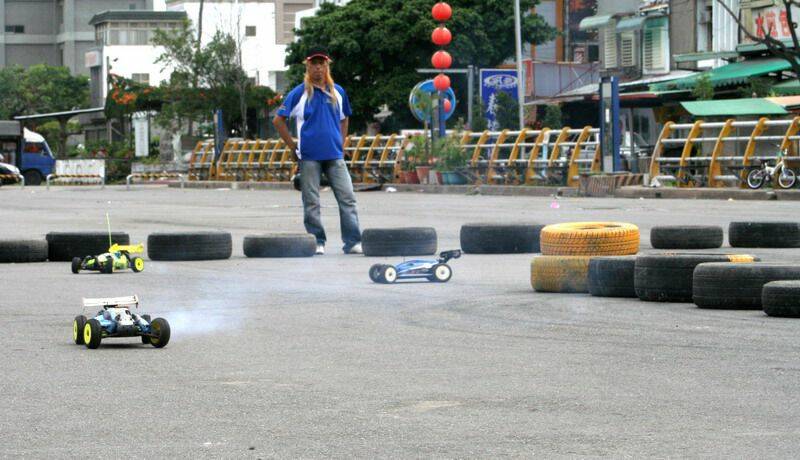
(388, 274)
(669, 277)
(764, 234)
(737, 286)
(96, 334)
(412, 241)
(162, 326)
(146, 339)
(440, 275)
(500, 239)
(375, 273)
(612, 276)
(77, 329)
(32, 177)
(189, 246)
(23, 251)
(686, 237)
(781, 298)
(76, 264)
(280, 245)
(63, 246)
(108, 266)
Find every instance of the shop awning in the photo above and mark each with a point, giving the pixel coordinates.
(631, 23)
(731, 74)
(787, 87)
(733, 108)
(595, 22)
(694, 57)
(787, 102)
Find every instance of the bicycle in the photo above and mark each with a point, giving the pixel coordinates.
(766, 173)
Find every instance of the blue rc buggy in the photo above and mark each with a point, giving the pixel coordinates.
(116, 320)
(431, 269)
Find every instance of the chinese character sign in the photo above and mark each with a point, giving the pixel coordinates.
(494, 81)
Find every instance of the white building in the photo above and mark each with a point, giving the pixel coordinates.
(263, 27)
(312, 11)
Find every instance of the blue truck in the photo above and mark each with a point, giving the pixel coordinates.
(27, 150)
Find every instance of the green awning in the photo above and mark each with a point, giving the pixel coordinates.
(702, 56)
(789, 87)
(733, 108)
(631, 23)
(594, 22)
(731, 74)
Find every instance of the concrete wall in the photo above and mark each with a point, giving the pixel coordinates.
(617, 6)
(28, 55)
(38, 17)
(682, 29)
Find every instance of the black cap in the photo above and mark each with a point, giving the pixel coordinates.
(318, 52)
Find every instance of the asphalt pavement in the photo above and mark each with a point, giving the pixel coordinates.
(288, 358)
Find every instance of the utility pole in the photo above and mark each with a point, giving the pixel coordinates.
(520, 79)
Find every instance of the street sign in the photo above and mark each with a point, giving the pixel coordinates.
(494, 81)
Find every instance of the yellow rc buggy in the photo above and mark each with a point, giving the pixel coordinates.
(118, 257)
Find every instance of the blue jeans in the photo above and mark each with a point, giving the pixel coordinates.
(339, 177)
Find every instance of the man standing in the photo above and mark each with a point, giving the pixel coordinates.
(321, 110)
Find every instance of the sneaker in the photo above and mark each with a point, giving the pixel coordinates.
(354, 249)
(320, 249)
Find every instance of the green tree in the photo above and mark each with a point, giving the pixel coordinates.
(552, 117)
(12, 101)
(47, 89)
(377, 45)
(479, 123)
(703, 89)
(507, 111)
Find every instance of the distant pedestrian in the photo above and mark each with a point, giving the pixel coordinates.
(321, 109)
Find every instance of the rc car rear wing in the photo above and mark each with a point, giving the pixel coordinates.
(130, 301)
(131, 248)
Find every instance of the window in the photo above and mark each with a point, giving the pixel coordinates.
(143, 78)
(250, 31)
(610, 45)
(15, 29)
(656, 46)
(627, 49)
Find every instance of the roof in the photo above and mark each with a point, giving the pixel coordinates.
(630, 23)
(787, 87)
(70, 113)
(137, 15)
(786, 102)
(594, 22)
(592, 88)
(731, 74)
(733, 107)
(702, 56)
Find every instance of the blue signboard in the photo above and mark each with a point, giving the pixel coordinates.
(494, 81)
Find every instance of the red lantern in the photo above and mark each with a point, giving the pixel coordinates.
(441, 82)
(442, 60)
(448, 106)
(441, 36)
(442, 11)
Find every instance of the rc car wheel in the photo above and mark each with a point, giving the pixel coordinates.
(160, 328)
(92, 333)
(146, 339)
(441, 273)
(76, 264)
(77, 329)
(388, 274)
(137, 264)
(108, 267)
(375, 273)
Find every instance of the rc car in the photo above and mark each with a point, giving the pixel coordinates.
(115, 319)
(117, 258)
(430, 269)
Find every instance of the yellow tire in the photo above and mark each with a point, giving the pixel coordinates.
(590, 239)
(560, 273)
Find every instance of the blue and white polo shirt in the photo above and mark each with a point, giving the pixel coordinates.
(318, 122)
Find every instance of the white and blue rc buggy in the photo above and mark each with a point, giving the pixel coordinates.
(435, 270)
(115, 319)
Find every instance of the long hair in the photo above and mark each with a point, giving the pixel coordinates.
(329, 88)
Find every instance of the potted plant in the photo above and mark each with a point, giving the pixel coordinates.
(450, 158)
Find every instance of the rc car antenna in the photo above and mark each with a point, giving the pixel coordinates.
(108, 222)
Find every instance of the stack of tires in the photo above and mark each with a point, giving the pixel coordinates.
(568, 250)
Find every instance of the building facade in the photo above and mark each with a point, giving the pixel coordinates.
(55, 32)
